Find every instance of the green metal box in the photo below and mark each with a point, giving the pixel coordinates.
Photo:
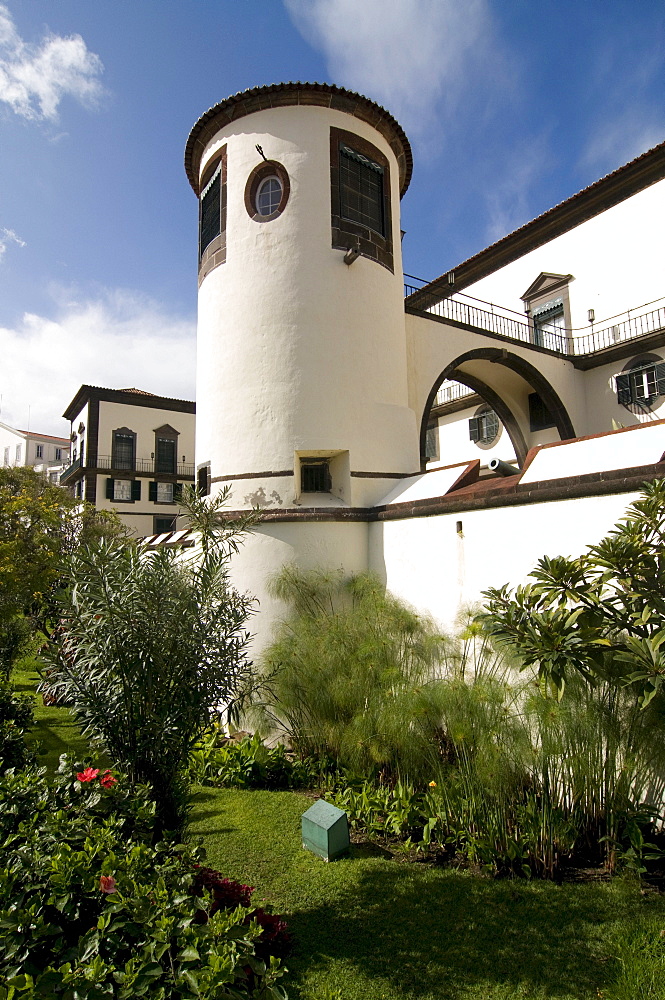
(325, 830)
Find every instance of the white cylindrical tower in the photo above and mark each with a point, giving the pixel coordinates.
(302, 402)
(302, 384)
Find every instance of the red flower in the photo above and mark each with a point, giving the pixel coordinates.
(107, 780)
(89, 774)
(107, 884)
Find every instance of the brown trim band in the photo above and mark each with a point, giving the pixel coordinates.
(385, 475)
(594, 484)
(251, 475)
(279, 95)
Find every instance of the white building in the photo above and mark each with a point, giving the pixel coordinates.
(317, 378)
(131, 451)
(44, 452)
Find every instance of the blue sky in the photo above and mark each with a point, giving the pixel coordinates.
(511, 106)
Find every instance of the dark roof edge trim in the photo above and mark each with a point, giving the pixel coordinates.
(278, 95)
(611, 190)
(87, 393)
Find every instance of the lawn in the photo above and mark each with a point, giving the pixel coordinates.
(369, 927)
(54, 728)
(374, 928)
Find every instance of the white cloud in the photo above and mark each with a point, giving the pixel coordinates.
(417, 57)
(118, 340)
(35, 78)
(509, 196)
(626, 136)
(8, 236)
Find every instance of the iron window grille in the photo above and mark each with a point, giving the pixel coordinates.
(361, 190)
(484, 428)
(166, 455)
(315, 477)
(432, 447)
(210, 218)
(123, 450)
(640, 385)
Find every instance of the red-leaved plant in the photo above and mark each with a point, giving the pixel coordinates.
(227, 894)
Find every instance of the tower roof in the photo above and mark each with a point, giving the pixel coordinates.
(279, 95)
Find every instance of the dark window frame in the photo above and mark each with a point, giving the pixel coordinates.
(315, 475)
(630, 383)
(214, 251)
(166, 433)
(203, 479)
(161, 530)
(260, 173)
(347, 233)
(540, 418)
(480, 426)
(125, 432)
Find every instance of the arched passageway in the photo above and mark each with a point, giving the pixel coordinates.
(504, 380)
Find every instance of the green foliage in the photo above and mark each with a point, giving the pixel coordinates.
(89, 909)
(602, 614)
(40, 524)
(527, 782)
(374, 928)
(247, 763)
(16, 718)
(150, 645)
(352, 675)
(15, 641)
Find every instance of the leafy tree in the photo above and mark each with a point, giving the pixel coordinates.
(601, 614)
(151, 647)
(40, 525)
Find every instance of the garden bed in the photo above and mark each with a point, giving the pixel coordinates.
(368, 928)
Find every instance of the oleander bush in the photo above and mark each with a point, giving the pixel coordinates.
(90, 908)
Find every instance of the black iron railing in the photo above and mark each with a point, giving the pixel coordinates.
(64, 476)
(145, 465)
(631, 325)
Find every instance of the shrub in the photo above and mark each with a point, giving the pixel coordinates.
(352, 676)
(152, 643)
(16, 716)
(90, 909)
(247, 763)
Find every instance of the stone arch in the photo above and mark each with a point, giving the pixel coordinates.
(521, 367)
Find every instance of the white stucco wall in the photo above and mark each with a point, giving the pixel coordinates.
(310, 545)
(298, 352)
(427, 563)
(615, 259)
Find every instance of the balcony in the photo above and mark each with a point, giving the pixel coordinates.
(70, 470)
(149, 465)
(583, 342)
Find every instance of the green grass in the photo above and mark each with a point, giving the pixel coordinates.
(55, 728)
(372, 928)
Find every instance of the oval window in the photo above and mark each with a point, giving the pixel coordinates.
(269, 195)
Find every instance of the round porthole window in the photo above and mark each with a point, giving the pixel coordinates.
(269, 196)
(267, 191)
(484, 427)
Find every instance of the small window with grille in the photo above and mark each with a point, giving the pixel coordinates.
(210, 211)
(484, 427)
(314, 476)
(642, 383)
(361, 189)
